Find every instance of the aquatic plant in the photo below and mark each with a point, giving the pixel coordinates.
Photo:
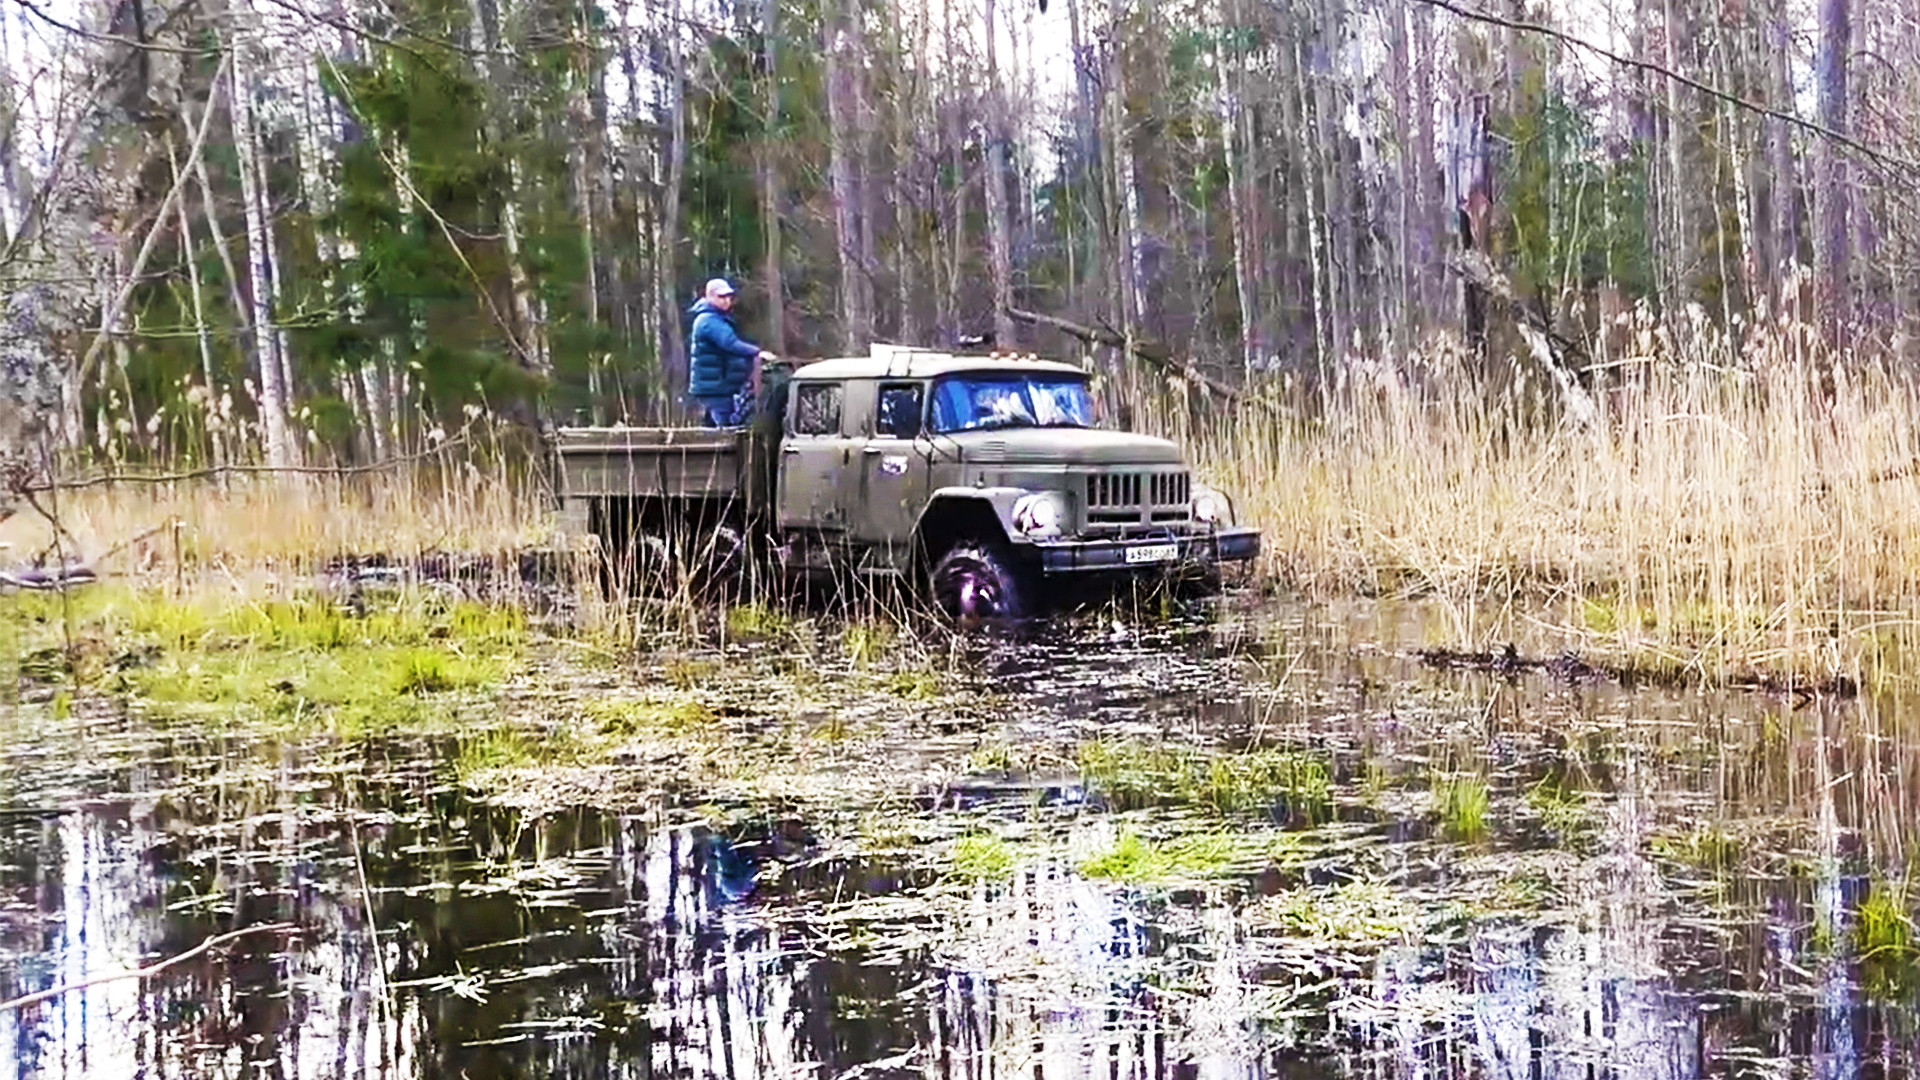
(1463, 802)
(1370, 913)
(981, 857)
(757, 621)
(866, 642)
(914, 684)
(627, 717)
(1706, 845)
(1136, 859)
(1883, 939)
(1561, 807)
(1132, 775)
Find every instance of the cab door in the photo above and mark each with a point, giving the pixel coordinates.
(814, 459)
(894, 468)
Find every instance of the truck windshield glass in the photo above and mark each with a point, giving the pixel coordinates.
(970, 402)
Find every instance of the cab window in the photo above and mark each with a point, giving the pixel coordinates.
(816, 409)
(897, 413)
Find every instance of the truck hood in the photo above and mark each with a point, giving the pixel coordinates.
(1062, 446)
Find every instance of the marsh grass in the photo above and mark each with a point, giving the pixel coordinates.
(1737, 503)
(1464, 805)
(982, 857)
(1134, 775)
(1883, 940)
(1137, 859)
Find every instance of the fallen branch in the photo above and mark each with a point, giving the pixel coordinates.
(141, 973)
(1549, 348)
(1100, 335)
(106, 479)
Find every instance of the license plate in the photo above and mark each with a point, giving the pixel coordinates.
(1153, 553)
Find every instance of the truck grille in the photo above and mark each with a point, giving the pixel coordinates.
(1137, 498)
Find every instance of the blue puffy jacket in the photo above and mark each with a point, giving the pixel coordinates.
(720, 360)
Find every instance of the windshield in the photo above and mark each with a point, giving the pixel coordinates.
(993, 399)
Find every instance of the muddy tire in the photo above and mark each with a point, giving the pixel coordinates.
(974, 583)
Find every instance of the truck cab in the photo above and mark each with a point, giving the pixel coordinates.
(986, 479)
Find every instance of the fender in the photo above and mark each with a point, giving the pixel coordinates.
(997, 500)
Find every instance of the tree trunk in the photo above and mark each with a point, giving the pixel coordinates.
(999, 227)
(672, 346)
(1681, 241)
(1407, 182)
(1782, 181)
(1232, 70)
(767, 160)
(202, 336)
(844, 139)
(1123, 184)
(273, 390)
(1831, 252)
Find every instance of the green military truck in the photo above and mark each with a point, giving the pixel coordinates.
(982, 479)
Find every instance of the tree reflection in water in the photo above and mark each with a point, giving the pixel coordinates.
(587, 946)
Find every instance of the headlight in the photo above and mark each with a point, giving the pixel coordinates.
(1211, 508)
(1040, 514)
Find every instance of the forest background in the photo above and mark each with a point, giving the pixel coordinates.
(322, 231)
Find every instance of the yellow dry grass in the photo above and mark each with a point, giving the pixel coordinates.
(1727, 511)
(1766, 514)
(256, 522)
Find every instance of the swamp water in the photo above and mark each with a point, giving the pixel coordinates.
(1266, 842)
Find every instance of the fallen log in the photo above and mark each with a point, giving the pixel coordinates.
(1153, 355)
(1551, 350)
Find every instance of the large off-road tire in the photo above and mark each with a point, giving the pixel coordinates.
(974, 583)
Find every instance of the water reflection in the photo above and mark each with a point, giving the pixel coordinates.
(442, 937)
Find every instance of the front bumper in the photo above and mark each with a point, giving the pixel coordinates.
(1220, 545)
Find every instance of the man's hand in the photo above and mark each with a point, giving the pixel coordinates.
(765, 357)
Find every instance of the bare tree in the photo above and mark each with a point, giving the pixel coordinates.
(1830, 282)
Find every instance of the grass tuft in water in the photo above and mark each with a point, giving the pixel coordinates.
(1883, 934)
(1136, 859)
(1284, 783)
(750, 621)
(1464, 803)
(982, 858)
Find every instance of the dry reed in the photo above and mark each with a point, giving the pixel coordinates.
(1760, 515)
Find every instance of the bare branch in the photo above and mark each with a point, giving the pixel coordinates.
(147, 972)
(1889, 160)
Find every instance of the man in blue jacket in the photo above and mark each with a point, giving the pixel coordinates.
(723, 368)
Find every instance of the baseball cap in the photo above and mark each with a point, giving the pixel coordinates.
(719, 287)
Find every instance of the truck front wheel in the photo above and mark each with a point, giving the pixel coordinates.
(975, 582)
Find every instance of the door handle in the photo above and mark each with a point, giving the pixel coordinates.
(789, 449)
(870, 450)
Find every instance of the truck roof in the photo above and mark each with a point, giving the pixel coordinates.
(904, 362)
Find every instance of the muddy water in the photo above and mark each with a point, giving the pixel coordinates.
(1683, 904)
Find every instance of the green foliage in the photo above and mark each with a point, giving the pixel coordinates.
(1577, 215)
